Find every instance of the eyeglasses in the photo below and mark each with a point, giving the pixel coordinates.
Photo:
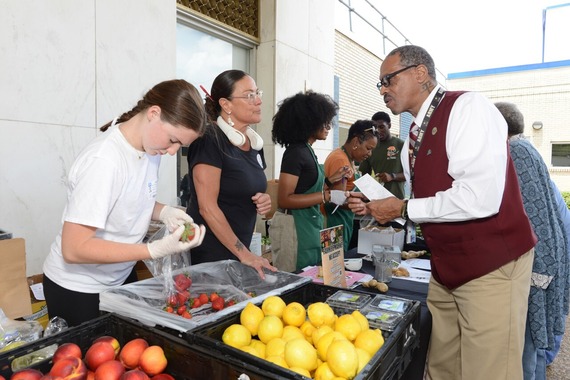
(385, 80)
(251, 97)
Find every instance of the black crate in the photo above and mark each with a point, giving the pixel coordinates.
(388, 363)
(184, 361)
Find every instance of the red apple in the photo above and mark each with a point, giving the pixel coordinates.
(162, 376)
(153, 361)
(67, 349)
(134, 374)
(111, 370)
(99, 353)
(114, 342)
(132, 351)
(27, 374)
(69, 368)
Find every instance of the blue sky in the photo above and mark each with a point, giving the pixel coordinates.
(467, 35)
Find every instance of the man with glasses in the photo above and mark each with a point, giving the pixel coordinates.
(465, 197)
(384, 163)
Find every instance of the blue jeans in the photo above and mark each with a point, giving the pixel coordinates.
(551, 354)
(534, 359)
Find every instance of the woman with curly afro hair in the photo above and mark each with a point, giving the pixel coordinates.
(295, 228)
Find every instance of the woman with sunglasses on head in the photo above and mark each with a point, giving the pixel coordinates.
(227, 181)
(111, 199)
(295, 228)
(360, 142)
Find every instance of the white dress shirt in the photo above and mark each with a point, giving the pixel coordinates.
(476, 144)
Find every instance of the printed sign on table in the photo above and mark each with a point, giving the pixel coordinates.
(332, 248)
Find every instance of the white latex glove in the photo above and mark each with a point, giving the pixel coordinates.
(173, 217)
(338, 197)
(171, 244)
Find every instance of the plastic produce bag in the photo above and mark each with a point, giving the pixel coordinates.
(16, 333)
(164, 267)
(145, 301)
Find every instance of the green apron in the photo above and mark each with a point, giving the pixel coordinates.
(342, 217)
(309, 223)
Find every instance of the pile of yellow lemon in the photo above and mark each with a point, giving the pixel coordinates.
(313, 342)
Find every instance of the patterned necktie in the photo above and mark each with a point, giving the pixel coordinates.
(414, 131)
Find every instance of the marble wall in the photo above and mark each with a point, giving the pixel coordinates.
(67, 67)
(302, 56)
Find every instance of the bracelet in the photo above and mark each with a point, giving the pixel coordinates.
(328, 182)
(404, 211)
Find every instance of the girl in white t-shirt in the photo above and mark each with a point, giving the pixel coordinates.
(111, 200)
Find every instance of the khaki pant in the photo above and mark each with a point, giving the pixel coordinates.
(478, 328)
(284, 245)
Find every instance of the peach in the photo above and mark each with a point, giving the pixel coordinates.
(132, 351)
(67, 349)
(99, 353)
(90, 375)
(27, 374)
(134, 374)
(111, 370)
(153, 361)
(162, 376)
(111, 339)
(69, 367)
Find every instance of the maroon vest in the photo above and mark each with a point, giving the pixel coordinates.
(463, 251)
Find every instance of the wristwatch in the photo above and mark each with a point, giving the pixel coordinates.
(404, 211)
(329, 183)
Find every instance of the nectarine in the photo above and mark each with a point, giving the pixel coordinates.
(111, 339)
(69, 367)
(111, 370)
(99, 353)
(134, 374)
(153, 361)
(67, 349)
(27, 374)
(132, 351)
(162, 376)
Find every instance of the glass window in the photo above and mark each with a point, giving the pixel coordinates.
(560, 154)
(200, 57)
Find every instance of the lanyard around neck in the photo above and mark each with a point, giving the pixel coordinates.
(433, 105)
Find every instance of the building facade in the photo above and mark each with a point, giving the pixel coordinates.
(70, 66)
(542, 93)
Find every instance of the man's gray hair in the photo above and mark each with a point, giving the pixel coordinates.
(514, 117)
(415, 55)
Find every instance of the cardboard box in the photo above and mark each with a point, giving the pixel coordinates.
(272, 187)
(386, 236)
(14, 293)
